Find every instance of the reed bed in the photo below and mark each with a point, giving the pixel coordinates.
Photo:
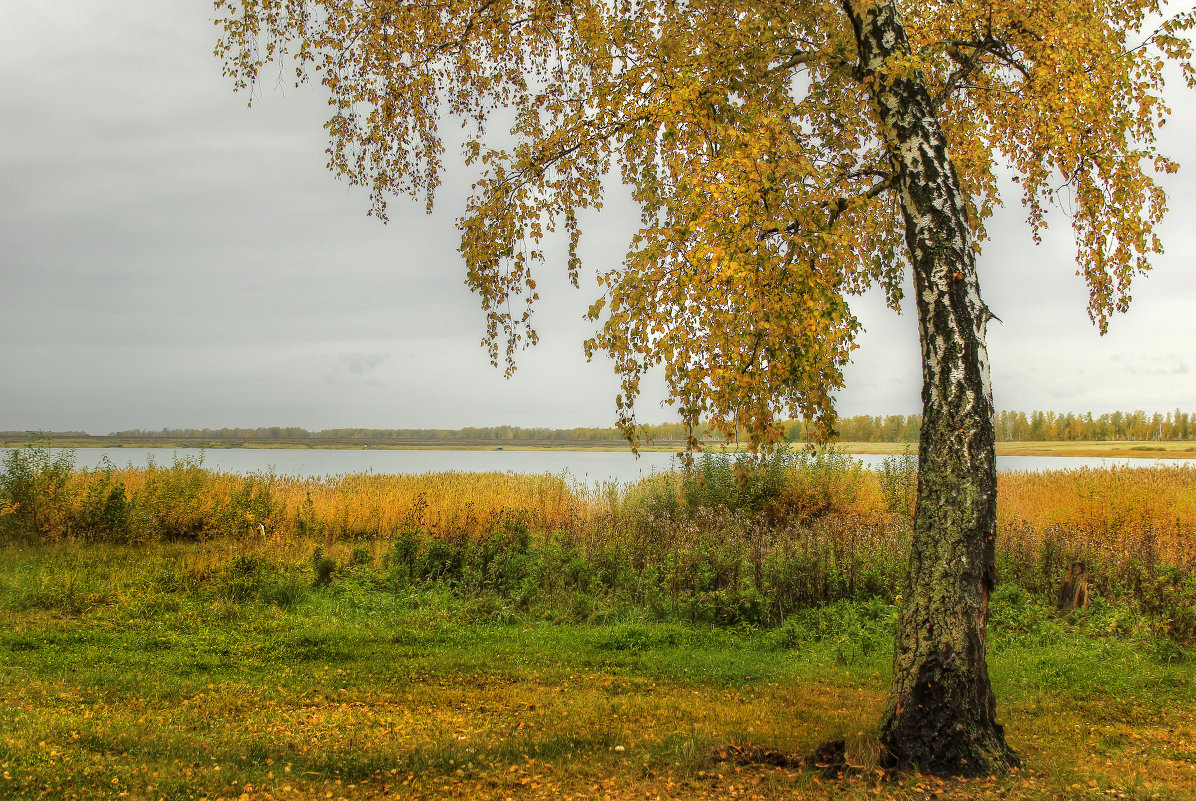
(1115, 510)
(372, 506)
(725, 543)
(43, 499)
(1133, 527)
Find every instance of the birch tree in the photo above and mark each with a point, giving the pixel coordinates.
(785, 157)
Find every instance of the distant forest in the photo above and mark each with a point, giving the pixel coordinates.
(1011, 427)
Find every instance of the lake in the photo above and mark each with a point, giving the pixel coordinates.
(587, 467)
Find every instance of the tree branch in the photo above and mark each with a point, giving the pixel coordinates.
(989, 45)
(836, 207)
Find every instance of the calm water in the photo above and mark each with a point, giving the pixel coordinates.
(584, 466)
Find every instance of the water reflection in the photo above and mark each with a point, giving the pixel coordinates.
(585, 466)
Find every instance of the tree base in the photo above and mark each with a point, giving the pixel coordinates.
(958, 751)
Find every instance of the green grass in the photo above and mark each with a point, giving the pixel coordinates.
(212, 670)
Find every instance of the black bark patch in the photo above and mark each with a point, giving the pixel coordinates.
(750, 754)
(944, 726)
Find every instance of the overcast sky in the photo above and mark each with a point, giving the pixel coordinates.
(169, 257)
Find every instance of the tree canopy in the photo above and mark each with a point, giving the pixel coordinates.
(748, 134)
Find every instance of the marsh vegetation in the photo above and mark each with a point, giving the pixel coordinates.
(489, 635)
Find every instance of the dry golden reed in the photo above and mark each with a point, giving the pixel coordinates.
(366, 505)
(461, 503)
(1111, 517)
(1113, 513)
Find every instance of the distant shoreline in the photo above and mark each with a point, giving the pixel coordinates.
(1095, 449)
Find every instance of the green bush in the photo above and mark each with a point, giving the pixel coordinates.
(787, 486)
(103, 513)
(35, 498)
(245, 578)
(1169, 599)
(899, 482)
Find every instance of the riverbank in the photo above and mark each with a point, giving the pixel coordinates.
(726, 542)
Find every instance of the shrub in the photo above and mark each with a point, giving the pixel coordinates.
(246, 578)
(899, 483)
(35, 494)
(103, 513)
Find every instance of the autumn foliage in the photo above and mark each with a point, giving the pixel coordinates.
(750, 138)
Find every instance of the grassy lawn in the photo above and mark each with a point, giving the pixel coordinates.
(122, 677)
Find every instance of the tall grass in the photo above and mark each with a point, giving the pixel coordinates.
(1134, 528)
(43, 500)
(729, 542)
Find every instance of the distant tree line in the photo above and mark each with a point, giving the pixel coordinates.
(488, 433)
(1036, 426)
(1053, 427)
(862, 428)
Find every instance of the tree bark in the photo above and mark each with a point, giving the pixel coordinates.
(941, 713)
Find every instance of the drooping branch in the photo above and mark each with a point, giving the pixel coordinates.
(972, 62)
(836, 206)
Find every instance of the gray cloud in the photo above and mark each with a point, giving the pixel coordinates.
(357, 367)
(1162, 364)
(172, 258)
